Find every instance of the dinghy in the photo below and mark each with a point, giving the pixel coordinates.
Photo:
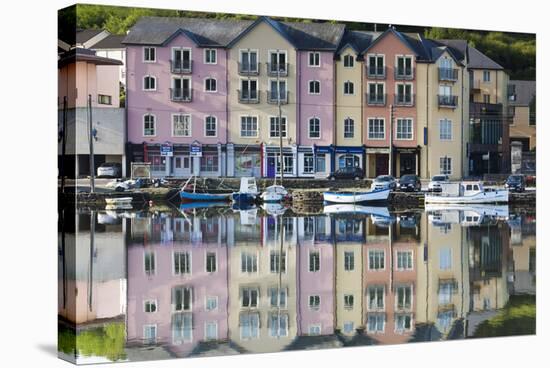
(376, 195)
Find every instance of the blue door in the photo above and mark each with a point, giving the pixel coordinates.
(271, 167)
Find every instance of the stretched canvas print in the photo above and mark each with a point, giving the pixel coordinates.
(235, 184)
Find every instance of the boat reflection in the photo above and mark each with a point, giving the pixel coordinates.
(218, 281)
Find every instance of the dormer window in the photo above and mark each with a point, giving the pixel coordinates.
(348, 61)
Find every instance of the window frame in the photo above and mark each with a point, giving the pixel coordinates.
(150, 302)
(190, 122)
(205, 85)
(383, 125)
(284, 124)
(450, 130)
(316, 57)
(309, 121)
(314, 82)
(154, 125)
(348, 57)
(348, 83)
(450, 165)
(144, 60)
(378, 251)
(349, 122)
(215, 51)
(152, 77)
(257, 119)
(215, 126)
(401, 119)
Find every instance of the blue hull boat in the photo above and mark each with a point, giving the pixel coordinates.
(204, 197)
(243, 198)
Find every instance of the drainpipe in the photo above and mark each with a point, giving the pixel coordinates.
(227, 110)
(462, 123)
(427, 119)
(334, 114)
(298, 102)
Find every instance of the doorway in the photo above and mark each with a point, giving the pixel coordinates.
(182, 165)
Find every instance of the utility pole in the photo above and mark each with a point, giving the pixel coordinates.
(63, 144)
(282, 164)
(90, 139)
(390, 161)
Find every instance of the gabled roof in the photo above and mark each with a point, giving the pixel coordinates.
(203, 31)
(357, 40)
(84, 35)
(406, 40)
(89, 56)
(524, 92)
(277, 26)
(110, 42)
(478, 60)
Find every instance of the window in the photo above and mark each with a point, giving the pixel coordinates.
(149, 83)
(211, 303)
(404, 66)
(349, 128)
(376, 94)
(274, 127)
(376, 297)
(445, 91)
(277, 297)
(249, 262)
(277, 62)
(314, 128)
(181, 60)
(249, 324)
(249, 297)
(403, 322)
(181, 125)
(404, 94)
(182, 263)
(445, 167)
(210, 85)
(210, 126)
(149, 125)
(348, 61)
(375, 322)
(314, 87)
(314, 59)
(445, 293)
(150, 306)
(404, 261)
(249, 61)
(278, 325)
(348, 301)
(376, 260)
(149, 55)
(348, 327)
(149, 263)
(249, 126)
(376, 128)
(288, 162)
(314, 330)
(314, 261)
(211, 264)
(211, 330)
(348, 88)
(104, 100)
(486, 76)
(486, 98)
(277, 261)
(181, 89)
(210, 56)
(314, 302)
(376, 65)
(181, 299)
(320, 163)
(445, 130)
(150, 334)
(445, 259)
(308, 163)
(349, 261)
(279, 88)
(209, 162)
(249, 89)
(182, 328)
(404, 297)
(404, 129)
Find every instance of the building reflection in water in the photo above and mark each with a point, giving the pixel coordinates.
(219, 282)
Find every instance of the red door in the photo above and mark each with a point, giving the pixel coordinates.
(382, 162)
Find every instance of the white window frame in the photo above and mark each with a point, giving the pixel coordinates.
(182, 49)
(316, 55)
(404, 84)
(309, 84)
(312, 306)
(348, 82)
(346, 253)
(404, 56)
(174, 273)
(248, 51)
(274, 51)
(450, 131)
(206, 261)
(346, 120)
(347, 306)
(249, 290)
(352, 61)
(376, 84)
(190, 126)
(411, 306)
(309, 127)
(308, 155)
(318, 251)
(257, 126)
(280, 255)
(148, 326)
(210, 297)
(383, 120)
(205, 84)
(383, 268)
(248, 81)
(254, 255)
(154, 125)
(376, 56)
(450, 165)
(284, 118)
(215, 51)
(151, 302)
(143, 54)
(488, 74)
(397, 120)
(376, 314)
(403, 315)
(215, 123)
(143, 83)
(383, 307)
(206, 324)
(191, 294)
(397, 260)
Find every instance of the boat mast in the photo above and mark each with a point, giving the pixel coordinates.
(281, 165)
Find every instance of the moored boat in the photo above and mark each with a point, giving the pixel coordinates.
(468, 192)
(247, 192)
(274, 194)
(190, 193)
(376, 195)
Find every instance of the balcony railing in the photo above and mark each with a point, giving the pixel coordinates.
(376, 99)
(378, 72)
(448, 74)
(249, 69)
(404, 73)
(404, 100)
(272, 97)
(447, 101)
(181, 94)
(181, 66)
(249, 97)
(277, 68)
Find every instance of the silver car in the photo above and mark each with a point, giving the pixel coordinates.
(435, 184)
(110, 169)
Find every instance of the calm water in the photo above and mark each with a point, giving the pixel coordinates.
(190, 282)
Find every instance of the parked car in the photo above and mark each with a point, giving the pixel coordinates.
(111, 169)
(409, 183)
(435, 184)
(384, 181)
(515, 183)
(348, 173)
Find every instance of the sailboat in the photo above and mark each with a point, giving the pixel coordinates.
(197, 195)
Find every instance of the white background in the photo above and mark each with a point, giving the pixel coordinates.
(28, 144)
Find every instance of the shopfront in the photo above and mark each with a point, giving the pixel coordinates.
(271, 161)
(349, 157)
(244, 160)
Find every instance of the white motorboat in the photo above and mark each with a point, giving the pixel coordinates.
(274, 194)
(468, 192)
(375, 195)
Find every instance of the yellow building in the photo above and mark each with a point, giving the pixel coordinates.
(523, 126)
